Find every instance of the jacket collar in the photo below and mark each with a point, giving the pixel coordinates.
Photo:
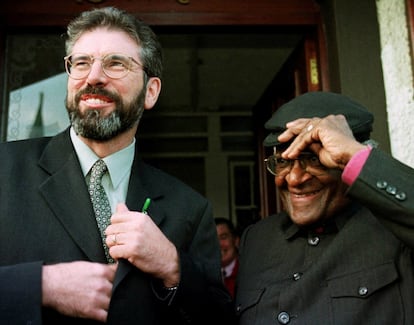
(332, 225)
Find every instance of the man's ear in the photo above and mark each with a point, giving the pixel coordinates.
(153, 91)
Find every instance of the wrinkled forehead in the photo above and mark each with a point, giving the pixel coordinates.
(101, 41)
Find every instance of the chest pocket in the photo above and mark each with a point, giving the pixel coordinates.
(363, 284)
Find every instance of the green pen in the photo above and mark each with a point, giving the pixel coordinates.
(146, 205)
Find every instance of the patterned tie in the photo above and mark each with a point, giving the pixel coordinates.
(100, 201)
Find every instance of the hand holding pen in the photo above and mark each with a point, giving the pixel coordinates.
(135, 237)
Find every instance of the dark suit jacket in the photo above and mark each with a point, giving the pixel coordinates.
(46, 217)
(358, 272)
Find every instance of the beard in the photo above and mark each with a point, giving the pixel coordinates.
(92, 125)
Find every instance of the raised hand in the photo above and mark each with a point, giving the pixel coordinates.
(329, 137)
(135, 237)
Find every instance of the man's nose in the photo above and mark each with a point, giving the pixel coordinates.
(297, 174)
(96, 74)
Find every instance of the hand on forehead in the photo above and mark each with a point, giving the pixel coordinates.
(313, 106)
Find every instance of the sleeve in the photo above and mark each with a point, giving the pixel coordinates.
(21, 294)
(201, 297)
(354, 166)
(385, 185)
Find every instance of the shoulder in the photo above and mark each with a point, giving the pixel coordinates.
(22, 150)
(26, 155)
(269, 227)
(13, 146)
(35, 146)
(158, 180)
(270, 223)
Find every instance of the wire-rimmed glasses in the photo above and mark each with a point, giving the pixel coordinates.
(308, 161)
(114, 65)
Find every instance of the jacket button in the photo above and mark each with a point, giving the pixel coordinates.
(401, 196)
(391, 190)
(362, 291)
(297, 276)
(382, 184)
(313, 241)
(283, 318)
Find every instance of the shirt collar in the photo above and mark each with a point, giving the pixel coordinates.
(228, 270)
(119, 163)
(335, 224)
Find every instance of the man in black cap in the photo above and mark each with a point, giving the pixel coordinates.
(341, 252)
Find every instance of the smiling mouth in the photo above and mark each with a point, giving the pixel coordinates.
(303, 195)
(96, 100)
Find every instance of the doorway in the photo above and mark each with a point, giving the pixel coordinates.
(220, 86)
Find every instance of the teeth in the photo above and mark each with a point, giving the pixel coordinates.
(301, 195)
(95, 101)
(306, 194)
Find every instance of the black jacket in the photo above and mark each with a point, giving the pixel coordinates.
(46, 217)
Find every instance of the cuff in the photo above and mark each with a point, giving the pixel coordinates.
(162, 293)
(354, 166)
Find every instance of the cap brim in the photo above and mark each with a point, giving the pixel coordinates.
(271, 139)
(319, 104)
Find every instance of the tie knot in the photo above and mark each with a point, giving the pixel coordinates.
(98, 169)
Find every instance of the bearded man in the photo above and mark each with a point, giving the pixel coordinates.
(89, 233)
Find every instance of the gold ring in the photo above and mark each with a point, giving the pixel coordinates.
(114, 239)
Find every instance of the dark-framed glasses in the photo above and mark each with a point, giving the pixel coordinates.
(308, 161)
(114, 65)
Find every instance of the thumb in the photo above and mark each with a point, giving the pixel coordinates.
(121, 207)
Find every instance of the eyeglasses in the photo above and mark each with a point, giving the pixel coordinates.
(308, 161)
(114, 65)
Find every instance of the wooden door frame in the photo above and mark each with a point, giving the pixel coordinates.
(167, 12)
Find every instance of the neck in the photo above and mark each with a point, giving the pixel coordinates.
(105, 148)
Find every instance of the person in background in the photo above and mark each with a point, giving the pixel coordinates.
(229, 246)
(341, 251)
(89, 233)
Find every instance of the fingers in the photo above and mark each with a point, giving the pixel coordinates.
(113, 268)
(124, 221)
(121, 207)
(303, 133)
(78, 289)
(123, 214)
(116, 239)
(330, 138)
(293, 129)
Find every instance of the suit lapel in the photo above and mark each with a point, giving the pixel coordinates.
(143, 186)
(66, 193)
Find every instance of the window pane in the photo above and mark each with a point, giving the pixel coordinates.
(35, 86)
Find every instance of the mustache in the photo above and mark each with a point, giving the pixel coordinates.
(89, 90)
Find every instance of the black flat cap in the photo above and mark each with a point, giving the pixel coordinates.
(320, 104)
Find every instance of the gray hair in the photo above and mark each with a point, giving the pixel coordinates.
(151, 52)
